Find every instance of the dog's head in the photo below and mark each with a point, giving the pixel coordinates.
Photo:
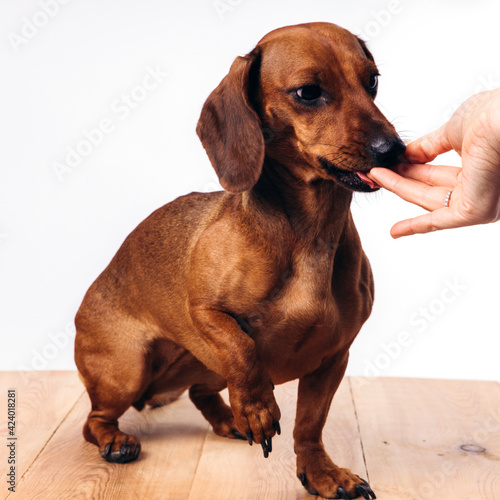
(304, 98)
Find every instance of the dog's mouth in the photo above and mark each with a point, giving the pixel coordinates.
(368, 181)
(354, 180)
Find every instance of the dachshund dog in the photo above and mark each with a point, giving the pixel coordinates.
(261, 283)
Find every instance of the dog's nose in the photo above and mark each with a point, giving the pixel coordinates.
(387, 151)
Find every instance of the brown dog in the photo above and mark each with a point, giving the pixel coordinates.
(263, 283)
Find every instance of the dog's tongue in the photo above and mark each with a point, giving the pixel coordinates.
(368, 181)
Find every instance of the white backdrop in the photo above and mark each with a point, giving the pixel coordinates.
(99, 106)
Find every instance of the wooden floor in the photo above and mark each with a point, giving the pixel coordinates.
(411, 438)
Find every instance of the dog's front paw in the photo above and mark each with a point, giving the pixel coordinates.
(320, 476)
(256, 416)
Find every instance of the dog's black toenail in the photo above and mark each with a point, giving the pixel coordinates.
(361, 490)
(250, 438)
(125, 449)
(238, 435)
(265, 449)
(368, 488)
(343, 493)
(277, 427)
(269, 444)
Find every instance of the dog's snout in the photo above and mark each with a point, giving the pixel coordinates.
(387, 151)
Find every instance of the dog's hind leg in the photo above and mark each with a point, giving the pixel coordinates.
(207, 399)
(101, 429)
(113, 364)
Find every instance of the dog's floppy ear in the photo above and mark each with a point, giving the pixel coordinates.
(230, 129)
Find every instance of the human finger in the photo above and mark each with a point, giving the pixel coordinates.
(434, 175)
(443, 218)
(427, 147)
(418, 193)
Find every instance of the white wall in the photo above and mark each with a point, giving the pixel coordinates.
(436, 311)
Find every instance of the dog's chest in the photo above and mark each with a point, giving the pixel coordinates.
(301, 293)
(300, 322)
(306, 297)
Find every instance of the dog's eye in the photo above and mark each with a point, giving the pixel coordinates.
(309, 92)
(373, 85)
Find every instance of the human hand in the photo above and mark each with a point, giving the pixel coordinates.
(474, 133)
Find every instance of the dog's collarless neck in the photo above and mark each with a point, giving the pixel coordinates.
(316, 207)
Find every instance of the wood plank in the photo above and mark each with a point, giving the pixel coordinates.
(43, 400)
(171, 437)
(428, 439)
(231, 469)
(421, 439)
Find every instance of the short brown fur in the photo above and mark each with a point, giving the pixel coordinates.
(263, 283)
